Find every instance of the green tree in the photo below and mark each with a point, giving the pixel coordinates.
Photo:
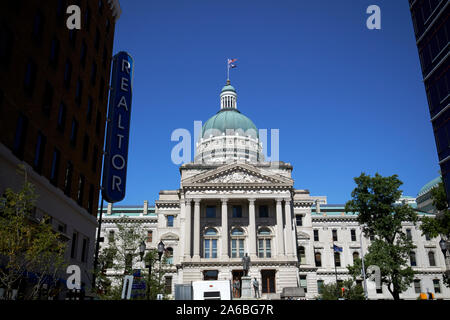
(440, 224)
(155, 283)
(333, 291)
(28, 244)
(374, 199)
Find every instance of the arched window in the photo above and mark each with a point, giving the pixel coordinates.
(264, 243)
(431, 259)
(337, 259)
(169, 255)
(237, 243)
(210, 243)
(318, 259)
(355, 256)
(301, 255)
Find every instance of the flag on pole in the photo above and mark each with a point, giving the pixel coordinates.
(230, 61)
(336, 248)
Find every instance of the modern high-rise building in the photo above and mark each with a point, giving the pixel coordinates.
(53, 104)
(432, 30)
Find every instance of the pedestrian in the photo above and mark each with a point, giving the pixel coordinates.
(256, 287)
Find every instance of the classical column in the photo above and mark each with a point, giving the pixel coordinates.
(197, 229)
(225, 229)
(187, 233)
(280, 237)
(252, 228)
(289, 232)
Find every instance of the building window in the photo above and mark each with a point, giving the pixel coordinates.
(417, 287)
(170, 221)
(303, 283)
(67, 74)
(301, 255)
(100, 6)
(39, 152)
(318, 259)
(210, 243)
(437, 286)
(335, 237)
(20, 136)
(54, 52)
(316, 235)
(427, 237)
(168, 285)
(299, 220)
(264, 243)
(237, 243)
(237, 211)
(408, 234)
(337, 259)
(61, 117)
(210, 212)
(73, 250)
(80, 194)
(263, 211)
(85, 147)
(355, 256)
(89, 110)
(319, 286)
(47, 99)
(73, 132)
(30, 77)
(85, 250)
(353, 234)
(111, 236)
(68, 178)
(55, 167)
(412, 259)
(149, 236)
(431, 259)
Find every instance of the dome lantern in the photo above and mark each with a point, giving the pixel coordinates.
(228, 97)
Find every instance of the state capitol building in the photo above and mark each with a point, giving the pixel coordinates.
(232, 202)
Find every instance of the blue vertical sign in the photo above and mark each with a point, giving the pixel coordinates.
(118, 129)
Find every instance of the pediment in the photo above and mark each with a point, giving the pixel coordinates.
(169, 236)
(237, 173)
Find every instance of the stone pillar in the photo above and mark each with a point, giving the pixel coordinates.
(317, 206)
(187, 232)
(289, 238)
(252, 228)
(145, 207)
(197, 229)
(280, 238)
(225, 254)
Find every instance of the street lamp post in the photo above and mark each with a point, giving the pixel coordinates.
(363, 267)
(445, 248)
(142, 247)
(161, 248)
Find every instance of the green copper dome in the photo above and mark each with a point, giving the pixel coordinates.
(228, 87)
(229, 119)
(430, 185)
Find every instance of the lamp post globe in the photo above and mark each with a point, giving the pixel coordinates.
(443, 245)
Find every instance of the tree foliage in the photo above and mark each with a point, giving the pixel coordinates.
(439, 225)
(374, 199)
(333, 291)
(28, 245)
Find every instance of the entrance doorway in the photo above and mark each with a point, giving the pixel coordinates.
(210, 275)
(236, 283)
(268, 281)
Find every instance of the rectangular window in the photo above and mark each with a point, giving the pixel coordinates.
(303, 283)
(89, 110)
(210, 212)
(74, 132)
(263, 211)
(437, 286)
(214, 248)
(207, 249)
(168, 285)
(408, 234)
(264, 248)
(417, 287)
(170, 221)
(353, 234)
(335, 237)
(299, 220)
(412, 259)
(73, 250)
(20, 136)
(84, 250)
(80, 193)
(78, 92)
(234, 248)
(55, 167)
(111, 236)
(337, 259)
(30, 77)
(237, 212)
(316, 235)
(149, 236)
(319, 286)
(39, 152)
(68, 178)
(62, 117)
(47, 100)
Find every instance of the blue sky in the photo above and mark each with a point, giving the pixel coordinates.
(345, 99)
